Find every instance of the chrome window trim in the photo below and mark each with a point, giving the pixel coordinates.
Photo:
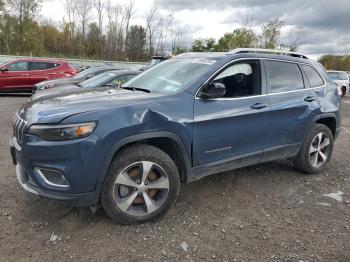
(267, 94)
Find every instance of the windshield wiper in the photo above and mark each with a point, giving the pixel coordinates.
(132, 88)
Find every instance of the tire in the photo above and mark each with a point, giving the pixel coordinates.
(343, 91)
(309, 160)
(150, 203)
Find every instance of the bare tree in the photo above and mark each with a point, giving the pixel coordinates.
(99, 6)
(164, 31)
(70, 9)
(128, 13)
(152, 23)
(84, 8)
(115, 33)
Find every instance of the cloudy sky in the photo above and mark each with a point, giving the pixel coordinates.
(321, 26)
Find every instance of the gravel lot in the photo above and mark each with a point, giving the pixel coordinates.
(268, 212)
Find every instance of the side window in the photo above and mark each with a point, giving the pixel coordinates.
(122, 79)
(313, 76)
(240, 80)
(343, 76)
(42, 65)
(18, 66)
(284, 76)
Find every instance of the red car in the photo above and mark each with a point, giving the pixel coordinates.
(20, 75)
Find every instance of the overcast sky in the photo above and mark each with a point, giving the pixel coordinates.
(320, 26)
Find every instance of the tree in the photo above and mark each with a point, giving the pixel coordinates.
(93, 40)
(152, 23)
(203, 45)
(71, 10)
(84, 8)
(99, 6)
(270, 33)
(128, 13)
(135, 43)
(24, 11)
(239, 38)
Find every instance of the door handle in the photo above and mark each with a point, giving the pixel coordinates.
(310, 99)
(25, 75)
(258, 106)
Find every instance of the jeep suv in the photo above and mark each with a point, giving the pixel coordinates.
(184, 119)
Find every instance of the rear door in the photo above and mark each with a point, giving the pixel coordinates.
(294, 105)
(41, 71)
(234, 127)
(15, 78)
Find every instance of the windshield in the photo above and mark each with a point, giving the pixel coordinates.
(98, 81)
(333, 75)
(85, 73)
(172, 75)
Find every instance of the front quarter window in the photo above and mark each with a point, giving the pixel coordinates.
(171, 76)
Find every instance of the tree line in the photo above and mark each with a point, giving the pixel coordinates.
(97, 29)
(246, 37)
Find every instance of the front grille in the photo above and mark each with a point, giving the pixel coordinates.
(19, 126)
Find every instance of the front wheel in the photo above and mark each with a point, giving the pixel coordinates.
(141, 185)
(316, 151)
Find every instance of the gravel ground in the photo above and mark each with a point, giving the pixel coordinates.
(267, 212)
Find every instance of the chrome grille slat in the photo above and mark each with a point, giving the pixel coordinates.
(19, 126)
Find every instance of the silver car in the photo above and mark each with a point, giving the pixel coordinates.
(342, 79)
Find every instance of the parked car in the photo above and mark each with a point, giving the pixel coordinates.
(107, 79)
(78, 78)
(342, 79)
(20, 75)
(187, 118)
(155, 61)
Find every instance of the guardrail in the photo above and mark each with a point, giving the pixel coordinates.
(82, 62)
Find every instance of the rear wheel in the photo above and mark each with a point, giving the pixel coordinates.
(343, 91)
(141, 185)
(316, 151)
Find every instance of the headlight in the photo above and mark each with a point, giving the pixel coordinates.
(62, 132)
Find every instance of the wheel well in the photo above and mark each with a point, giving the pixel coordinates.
(330, 122)
(170, 147)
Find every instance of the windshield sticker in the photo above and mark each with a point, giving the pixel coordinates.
(204, 61)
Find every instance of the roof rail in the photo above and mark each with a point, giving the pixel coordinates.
(267, 51)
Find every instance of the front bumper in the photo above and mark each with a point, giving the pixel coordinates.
(31, 182)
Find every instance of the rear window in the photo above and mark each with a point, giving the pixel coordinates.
(343, 76)
(284, 76)
(313, 76)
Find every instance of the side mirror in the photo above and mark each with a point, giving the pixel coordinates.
(4, 69)
(213, 90)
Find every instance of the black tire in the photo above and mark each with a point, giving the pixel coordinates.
(343, 91)
(128, 156)
(302, 161)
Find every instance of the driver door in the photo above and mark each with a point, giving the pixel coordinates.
(233, 128)
(15, 77)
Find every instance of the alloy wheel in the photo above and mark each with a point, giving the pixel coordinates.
(319, 150)
(141, 188)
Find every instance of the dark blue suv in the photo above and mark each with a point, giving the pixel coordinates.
(129, 148)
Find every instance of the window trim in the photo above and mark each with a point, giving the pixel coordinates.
(222, 68)
(263, 77)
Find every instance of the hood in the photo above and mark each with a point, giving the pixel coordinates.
(53, 92)
(55, 109)
(60, 81)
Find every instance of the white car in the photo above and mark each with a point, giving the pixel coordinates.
(342, 79)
